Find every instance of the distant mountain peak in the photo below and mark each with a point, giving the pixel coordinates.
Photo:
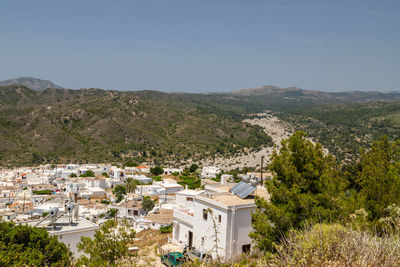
(32, 83)
(267, 89)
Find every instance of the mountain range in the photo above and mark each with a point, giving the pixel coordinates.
(46, 123)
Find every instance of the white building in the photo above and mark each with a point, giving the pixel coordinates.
(170, 186)
(69, 234)
(167, 186)
(150, 190)
(209, 172)
(169, 171)
(95, 182)
(140, 178)
(216, 213)
(186, 197)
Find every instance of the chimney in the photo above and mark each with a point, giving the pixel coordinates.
(224, 179)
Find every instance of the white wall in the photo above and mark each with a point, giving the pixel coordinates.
(73, 239)
(206, 229)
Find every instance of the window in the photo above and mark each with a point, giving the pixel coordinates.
(205, 214)
(219, 218)
(246, 248)
(189, 199)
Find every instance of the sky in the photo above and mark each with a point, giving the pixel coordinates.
(202, 45)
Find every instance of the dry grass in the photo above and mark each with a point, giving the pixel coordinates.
(336, 245)
(148, 244)
(148, 238)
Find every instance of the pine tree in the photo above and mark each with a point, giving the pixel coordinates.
(304, 188)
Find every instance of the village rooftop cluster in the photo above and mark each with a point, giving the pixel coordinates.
(69, 203)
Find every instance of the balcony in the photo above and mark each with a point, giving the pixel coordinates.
(184, 215)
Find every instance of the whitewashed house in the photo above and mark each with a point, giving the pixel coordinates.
(140, 178)
(210, 172)
(95, 182)
(169, 171)
(150, 190)
(216, 213)
(186, 197)
(170, 186)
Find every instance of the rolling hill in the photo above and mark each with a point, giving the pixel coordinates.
(102, 126)
(97, 125)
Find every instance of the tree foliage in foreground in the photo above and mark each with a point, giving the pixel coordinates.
(379, 178)
(305, 188)
(22, 245)
(109, 247)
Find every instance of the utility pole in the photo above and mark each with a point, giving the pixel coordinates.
(262, 163)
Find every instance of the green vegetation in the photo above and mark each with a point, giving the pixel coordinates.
(305, 188)
(112, 213)
(193, 168)
(147, 204)
(156, 178)
(130, 185)
(357, 204)
(109, 247)
(119, 192)
(43, 192)
(191, 181)
(92, 125)
(105, 201)
(22, 245)
(166, 229)
(157, 170)
(88, 173)
(345, 128)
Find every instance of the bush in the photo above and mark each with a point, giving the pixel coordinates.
(193, 168)
(166, 229)
(88, 173)
(156, 178)
(335, 245)
(43, 192)
(105, 201)
(157, 170)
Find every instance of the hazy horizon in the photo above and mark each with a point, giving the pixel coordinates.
(203, 46)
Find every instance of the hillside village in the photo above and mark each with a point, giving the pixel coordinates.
(72, 200)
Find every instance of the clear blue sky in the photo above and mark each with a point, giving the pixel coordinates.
(201, 45)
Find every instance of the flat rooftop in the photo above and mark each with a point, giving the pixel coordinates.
(226, 200)
(164, 217)
(62, 225)
(189, 192)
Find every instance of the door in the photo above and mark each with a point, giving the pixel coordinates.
(190, 241)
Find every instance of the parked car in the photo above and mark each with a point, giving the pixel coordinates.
(199, 255)
(173, 259)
